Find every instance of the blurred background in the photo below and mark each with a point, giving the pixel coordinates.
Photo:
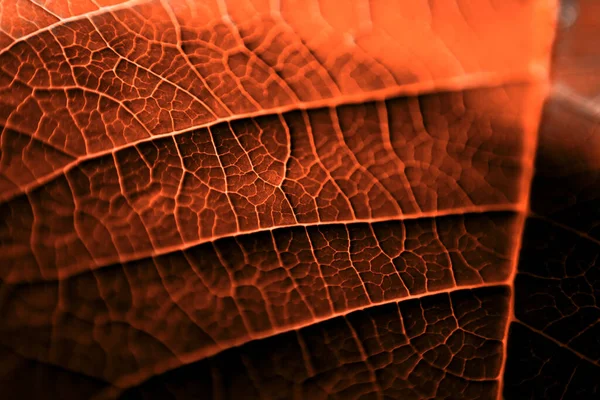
(576, 60)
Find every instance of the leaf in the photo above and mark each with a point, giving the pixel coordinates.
(553, 348)
(237, 199)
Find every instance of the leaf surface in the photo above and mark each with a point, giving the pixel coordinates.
(243, 199)
(557, 319)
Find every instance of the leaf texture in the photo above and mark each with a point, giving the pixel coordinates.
(295, 199)
(557, 319)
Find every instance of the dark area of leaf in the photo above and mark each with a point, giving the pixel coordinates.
(442, 346)
(554, 346)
